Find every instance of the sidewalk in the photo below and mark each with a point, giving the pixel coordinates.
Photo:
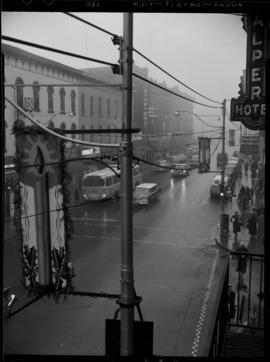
(253, 246)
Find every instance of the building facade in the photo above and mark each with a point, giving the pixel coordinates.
(57, 96)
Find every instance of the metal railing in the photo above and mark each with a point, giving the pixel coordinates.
(241, 301)
(247, 282)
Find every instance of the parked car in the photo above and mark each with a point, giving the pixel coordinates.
(146, 193)
(215, 190)
(180, 170)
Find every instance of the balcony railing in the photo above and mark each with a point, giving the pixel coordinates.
(241, 304)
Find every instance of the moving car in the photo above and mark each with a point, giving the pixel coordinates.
(180, 170)
(215, 190)
(146, 193)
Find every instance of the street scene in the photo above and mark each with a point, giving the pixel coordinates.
(125, 205)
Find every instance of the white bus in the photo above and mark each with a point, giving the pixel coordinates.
(105, 184)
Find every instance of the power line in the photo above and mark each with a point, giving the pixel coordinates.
(201, 119)
(54, 50)
(91, 24)
(135, 50)
(49, 130)
(163, 70)
(169, 91)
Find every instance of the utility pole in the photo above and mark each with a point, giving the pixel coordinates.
(222, 183)
(126, 300)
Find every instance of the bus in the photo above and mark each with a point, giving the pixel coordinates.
(105, 184)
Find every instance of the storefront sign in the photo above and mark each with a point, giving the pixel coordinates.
(250, 108)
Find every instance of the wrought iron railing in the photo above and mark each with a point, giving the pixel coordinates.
(241, 302)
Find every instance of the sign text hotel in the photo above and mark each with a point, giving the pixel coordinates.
(250, 108)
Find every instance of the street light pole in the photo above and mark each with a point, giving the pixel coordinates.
(126, 300)
(222, 183)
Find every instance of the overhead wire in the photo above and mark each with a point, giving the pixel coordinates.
(91, 24)
(50, 131)
(200, 119)
(174, 93)
(138, 52)
(8, 38)
(164, 71)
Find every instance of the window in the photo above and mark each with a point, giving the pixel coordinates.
(83, 105)
(63, 125)
(19, 92)
(51, 125)
(83, 134)
(50, 99)
(94, 181)
(91, 106)
(73, 100)
(100, 107)
(73, 128)
(62, 100)
(108, 109)
(36, 90)
(116, 109)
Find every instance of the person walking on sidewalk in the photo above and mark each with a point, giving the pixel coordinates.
(248, 195)
(242, 201)
(237, 223)
(252, 226)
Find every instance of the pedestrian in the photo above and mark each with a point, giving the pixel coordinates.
(237, 223)
(252, 225)
(242, 201)
(260, 224)
(248, 192)
(231, 303)
(242, 190)
(251, 194)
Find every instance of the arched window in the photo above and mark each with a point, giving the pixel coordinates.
(51, 124)
(36, 90)
(108, 109)
(73, 101)
(91, 106)
(50, 99)
(62, 100)
(82, 104)
(100, 107)
(73, 128)
(83, 134)
(63, 125)
(19, 91)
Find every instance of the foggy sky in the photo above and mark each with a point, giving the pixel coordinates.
(205, 51)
